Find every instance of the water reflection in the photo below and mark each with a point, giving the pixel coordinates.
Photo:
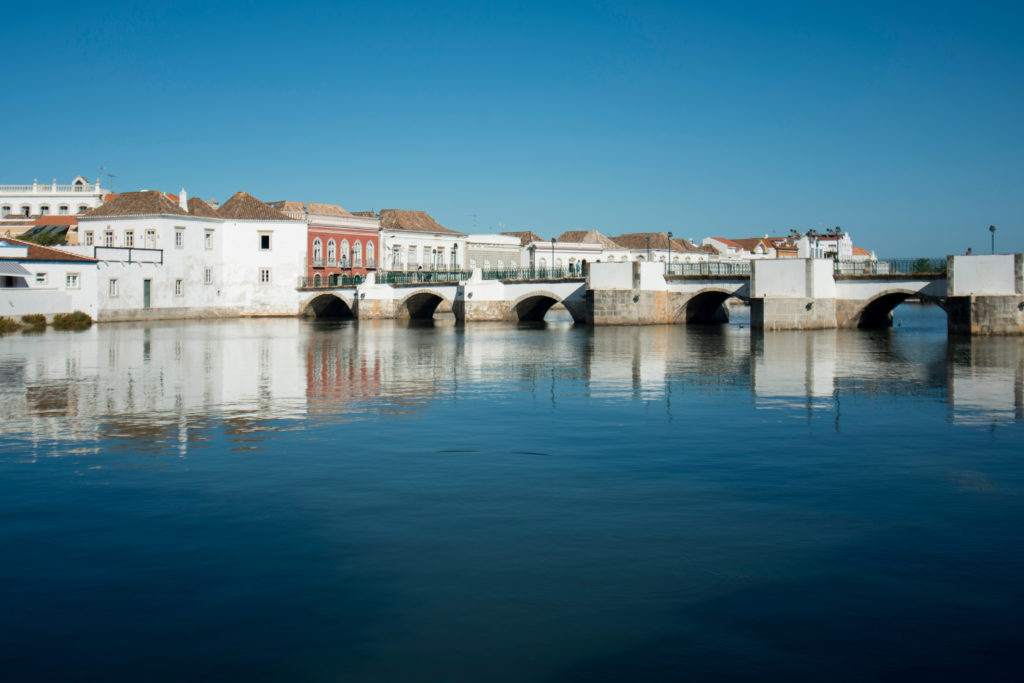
(163, 383)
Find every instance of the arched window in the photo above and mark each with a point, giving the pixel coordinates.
(357, 254)
(5, 210)
(639, 257)
(25, 209)
(623, 259)
(332, 253)
(318, 252)
(317, 280)
(455, 256)
(370, 256)
(82, 208)
(343, 256)
(63, 209)
(543, 262)
(44, 210)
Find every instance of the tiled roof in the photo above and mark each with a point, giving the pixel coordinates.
(38, 253)
(416, 221)
(365, 214)
(861, 251)
(51, 219)
(243, 206)
(310, 207)
(145, 203)
(525, 237)
(197, 207)
(587, 237)
(638, 240)
(728, 242)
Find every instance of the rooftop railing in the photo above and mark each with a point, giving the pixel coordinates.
(49, 187)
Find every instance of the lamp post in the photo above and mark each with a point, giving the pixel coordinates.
(992, 229)
(648, 248)
(669, 269)
(552, 256)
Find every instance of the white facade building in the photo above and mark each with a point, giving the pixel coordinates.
(41, 199)
(35, 279)
(493, 252)
(412, 240)
(161, 258)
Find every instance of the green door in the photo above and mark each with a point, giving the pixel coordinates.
(145, 292)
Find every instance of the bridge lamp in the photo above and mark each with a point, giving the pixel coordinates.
(992, 229)
(670, 251)
(552, 255)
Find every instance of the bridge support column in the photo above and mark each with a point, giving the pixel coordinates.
(792, 294)
(986, 294)
(629, 294)
(480, 300)
(373, 301)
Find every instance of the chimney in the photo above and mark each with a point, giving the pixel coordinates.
(183, 200)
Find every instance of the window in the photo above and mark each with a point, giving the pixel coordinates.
(208, 239)
(71, 281)
(82, 208)
(357, 254)
(41, 279)
(44, 210)
(63, 210)
(264, 276)
(412, 256)
(25, 209)
(208, 276)
(108, 238)
(370, 262)
(264, 241)
(317, 280)
(79, 186)
(332, 253)
(179, 287)
(396, 257)
(426, 255)
(343, 256)
(129, 238)
(5, 210)
(112, 288)
(88, 238)
(318, 252)
(455, 257)
(179, 238)
(151, 239)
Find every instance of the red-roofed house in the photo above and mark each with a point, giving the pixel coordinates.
(35, 279)
(338, 242)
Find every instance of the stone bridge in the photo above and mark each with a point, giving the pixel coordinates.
(980, 294)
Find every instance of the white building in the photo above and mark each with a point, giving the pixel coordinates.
(161, 258)
(412, 240)
(493, 252)
(41, 199)
(35, 279)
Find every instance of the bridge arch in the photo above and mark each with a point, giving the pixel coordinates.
(533, 306)
(328, 305)
(707, 307)
(876, 313)
(421, 304)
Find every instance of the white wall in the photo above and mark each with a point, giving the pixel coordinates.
(244, 258)
(992, 275)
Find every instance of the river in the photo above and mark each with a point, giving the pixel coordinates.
(385, 501)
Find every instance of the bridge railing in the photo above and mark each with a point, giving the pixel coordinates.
(330, 281)
(709, 268)
(897, 266)
(400, 277)
(528, 273)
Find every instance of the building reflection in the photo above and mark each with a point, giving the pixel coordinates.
(166, 386)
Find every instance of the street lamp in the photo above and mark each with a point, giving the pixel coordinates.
(669, 270)
(992, 229)
(552, 256)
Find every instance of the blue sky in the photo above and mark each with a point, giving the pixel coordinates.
(899, 122)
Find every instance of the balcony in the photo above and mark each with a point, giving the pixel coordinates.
(318, 262)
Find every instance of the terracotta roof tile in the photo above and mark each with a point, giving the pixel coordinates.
(38, 253)
(587, 237)
(145, 203)
(197, 207)
(416, 221)
(243, 206)
(309, 207)
(525, 237)
(638, 240)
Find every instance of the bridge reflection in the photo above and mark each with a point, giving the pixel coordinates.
(169, 384)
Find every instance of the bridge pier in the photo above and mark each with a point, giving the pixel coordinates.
(986, 295)
(631, 293)
(792, 294)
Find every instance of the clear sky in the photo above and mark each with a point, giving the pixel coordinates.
(900, 122)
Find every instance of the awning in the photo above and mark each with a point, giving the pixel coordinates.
(12, 268)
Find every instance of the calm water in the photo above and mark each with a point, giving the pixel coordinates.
(283, 500)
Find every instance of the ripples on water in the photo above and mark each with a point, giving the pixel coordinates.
(276, 499)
